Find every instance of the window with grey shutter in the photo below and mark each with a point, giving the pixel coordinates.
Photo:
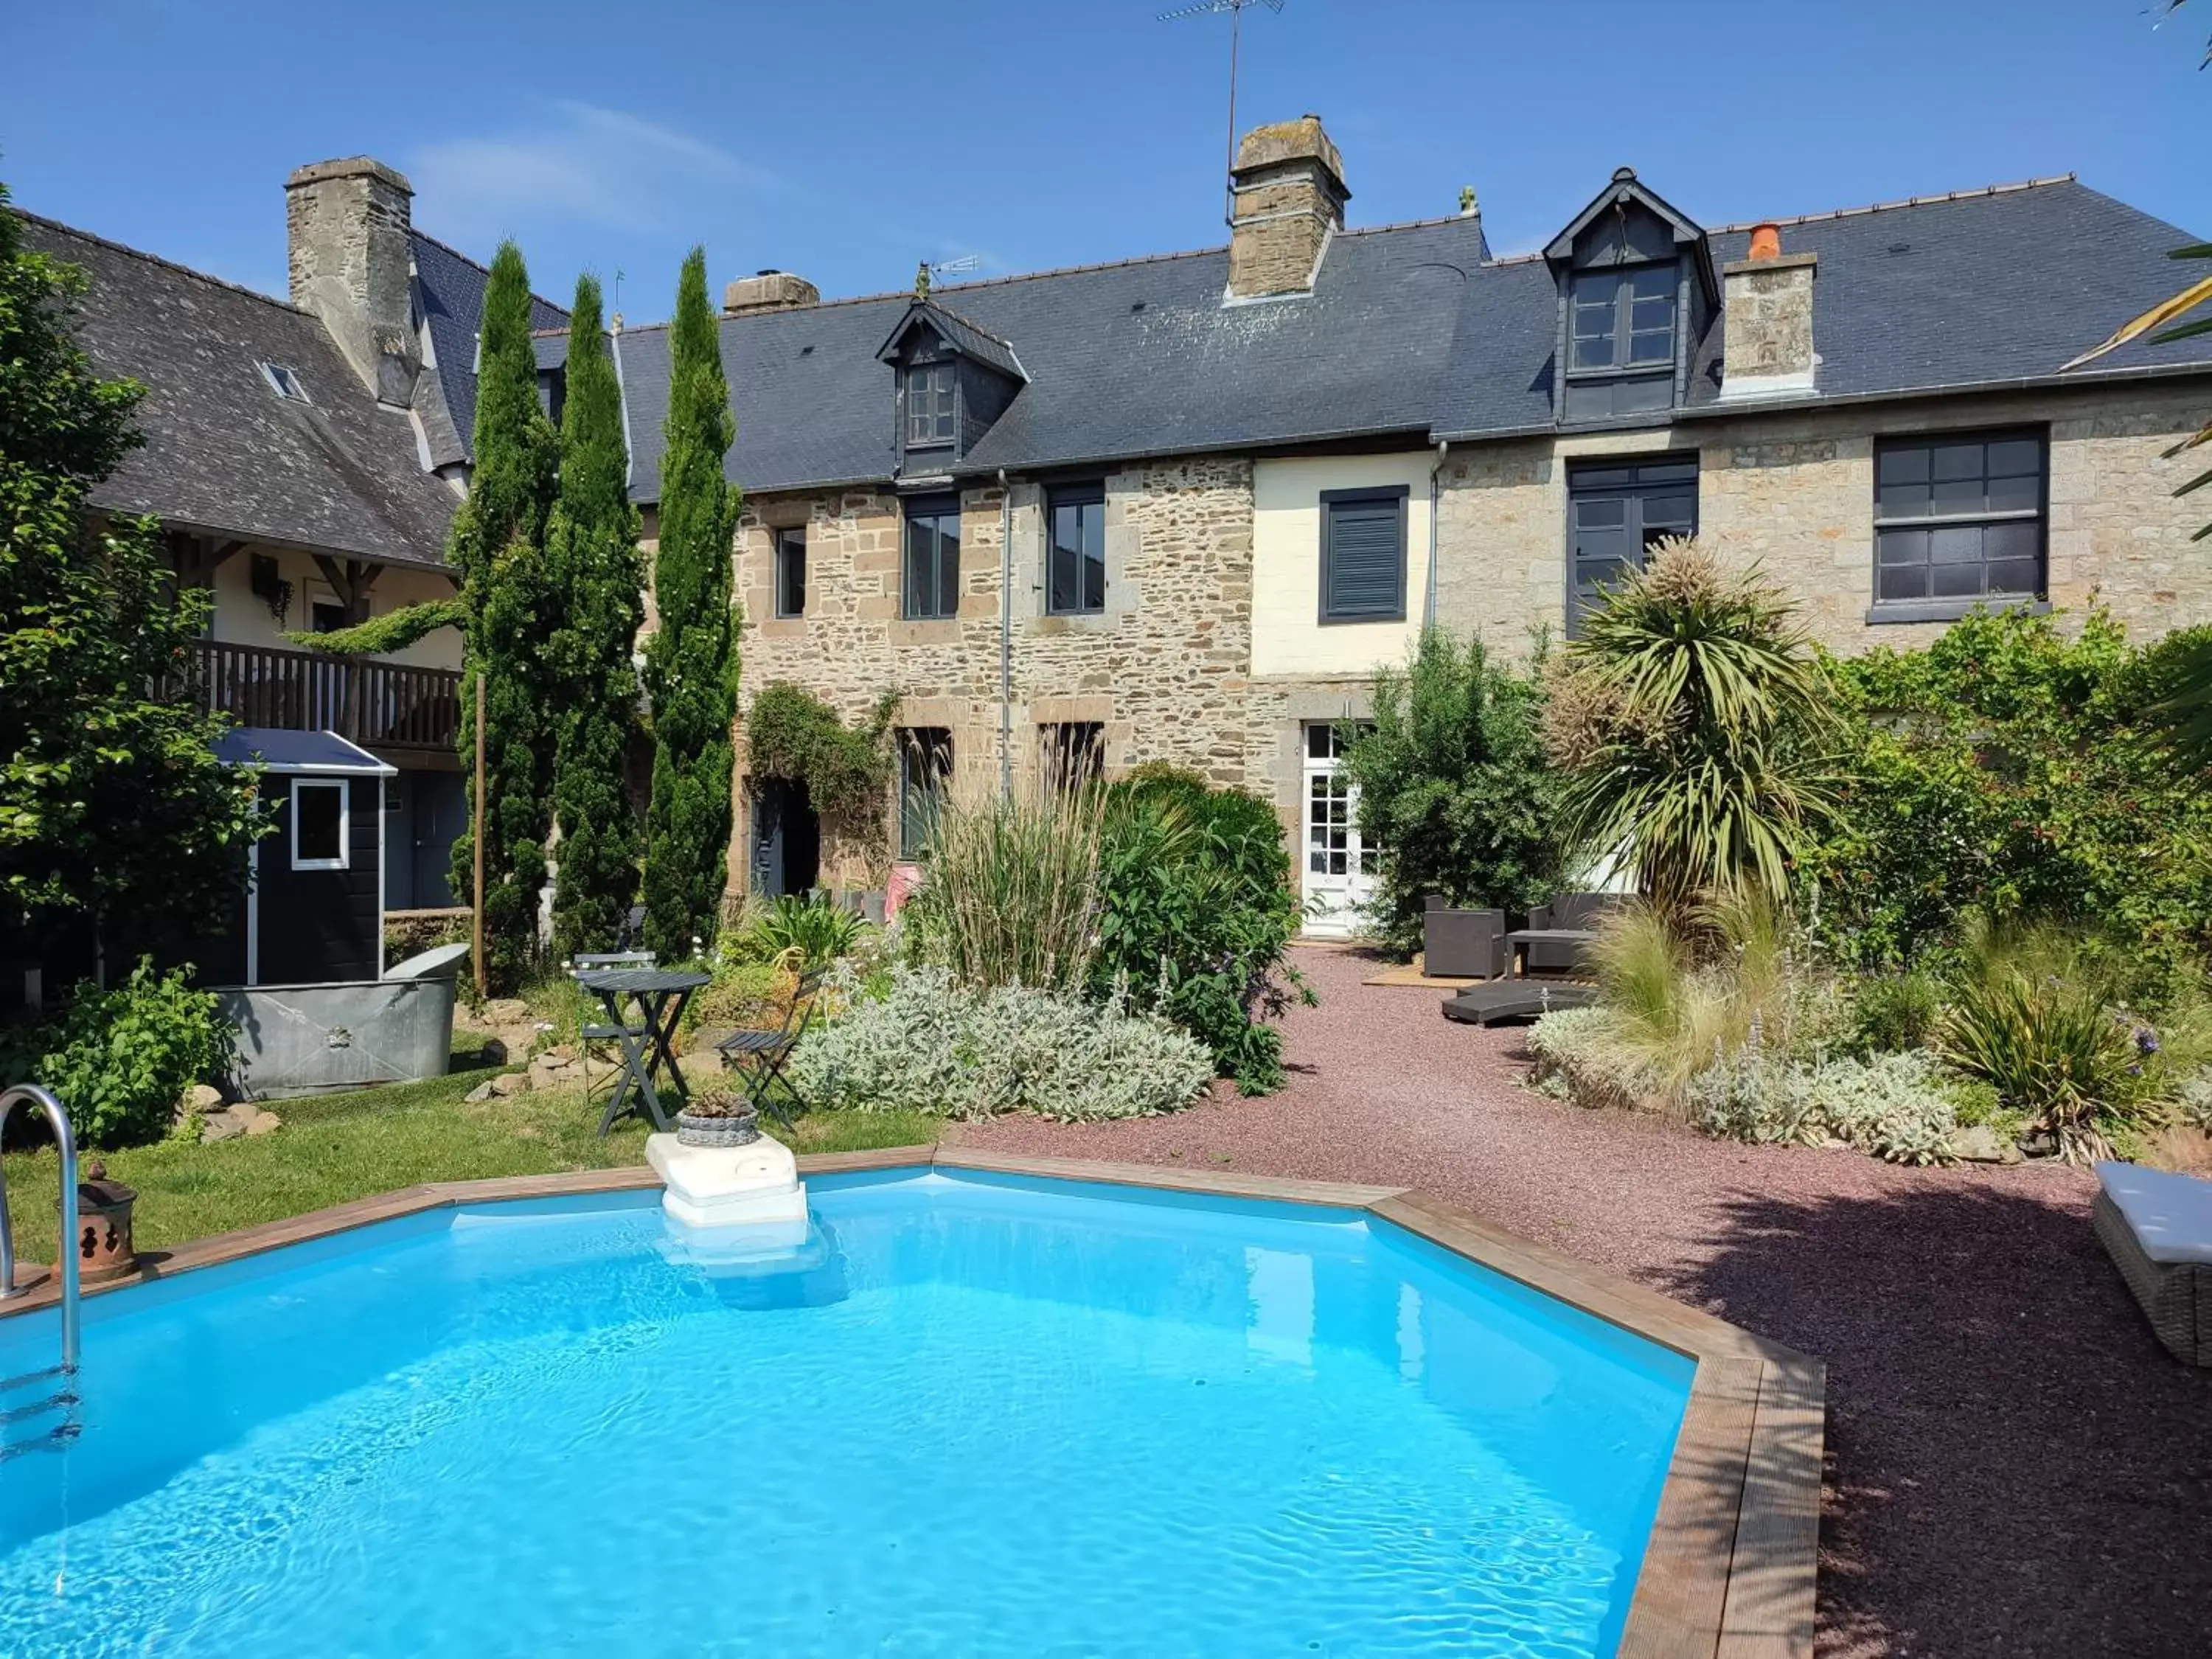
(1958, 520)
(1362, 555)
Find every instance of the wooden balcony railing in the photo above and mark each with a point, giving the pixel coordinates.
(379, 705)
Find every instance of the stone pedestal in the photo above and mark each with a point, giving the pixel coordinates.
(756, 1185)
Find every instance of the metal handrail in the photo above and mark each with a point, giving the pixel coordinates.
(59, 1121)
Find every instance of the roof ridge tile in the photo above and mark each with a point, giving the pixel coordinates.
(111, 244)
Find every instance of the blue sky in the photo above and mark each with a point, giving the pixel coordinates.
(849, 139)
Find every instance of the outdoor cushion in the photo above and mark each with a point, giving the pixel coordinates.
(2171, 1215)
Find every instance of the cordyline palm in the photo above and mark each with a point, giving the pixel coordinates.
(1692, 723)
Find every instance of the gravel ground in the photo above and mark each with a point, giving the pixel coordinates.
(2014, 1466)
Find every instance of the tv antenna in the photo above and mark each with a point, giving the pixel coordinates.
(1236, 10)
(932, 269)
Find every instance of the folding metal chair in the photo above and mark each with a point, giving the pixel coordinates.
(767, 1050)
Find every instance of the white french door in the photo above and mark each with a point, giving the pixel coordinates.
(1339, 870)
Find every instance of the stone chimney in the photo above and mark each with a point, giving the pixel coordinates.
(1290, 196)
(1767, 305)
(769, 290)
(347, 226)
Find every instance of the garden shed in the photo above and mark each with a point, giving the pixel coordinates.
(314, 912)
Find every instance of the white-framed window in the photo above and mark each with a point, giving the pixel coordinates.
(322, 824)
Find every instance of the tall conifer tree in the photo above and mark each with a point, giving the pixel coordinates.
(691, 661)
(497, 547)
(592, 560)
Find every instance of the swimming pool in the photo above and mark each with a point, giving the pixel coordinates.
(975, 1415)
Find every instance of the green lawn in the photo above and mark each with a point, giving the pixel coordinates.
(343, 1146)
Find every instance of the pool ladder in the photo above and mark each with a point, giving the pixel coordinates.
(62, 1377)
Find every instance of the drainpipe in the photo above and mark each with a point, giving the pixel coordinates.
(1436, 491)
(1005, 637)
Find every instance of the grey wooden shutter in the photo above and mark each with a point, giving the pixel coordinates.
(1363, 557)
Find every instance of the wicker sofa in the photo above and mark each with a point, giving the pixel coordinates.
(2157, 1228)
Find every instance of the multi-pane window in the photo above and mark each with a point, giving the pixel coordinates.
(1074, 753)
(1332, 844)
(1616, 512)
(932, 557)
(1362, 555)
(790, 573)
(925, 773)
(1959, 517)
(930, 404)
(1075, 581)
(1624, 319)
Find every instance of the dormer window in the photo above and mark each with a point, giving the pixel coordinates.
(1624, 319)
(931, 404)
(1636, 289)
(953, 381)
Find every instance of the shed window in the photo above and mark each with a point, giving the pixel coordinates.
(1616, 514)
(932, 557)
(319, 824)
(929, 403)
(1624, 319)
(1076, 583)
(925, 772)
(790, 573)
(1362, 555)
(1959, 517)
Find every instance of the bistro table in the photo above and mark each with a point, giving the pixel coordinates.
(660, 995)
(1578, 940)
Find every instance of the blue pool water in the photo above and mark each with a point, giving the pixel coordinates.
(977, 1415)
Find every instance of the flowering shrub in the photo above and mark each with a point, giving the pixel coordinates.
(930, 1046)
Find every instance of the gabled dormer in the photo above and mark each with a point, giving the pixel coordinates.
(1637, 290)
(953, 381)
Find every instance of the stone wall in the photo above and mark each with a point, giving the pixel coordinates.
(1794, 492)
(1163, 669)
(1167, 668)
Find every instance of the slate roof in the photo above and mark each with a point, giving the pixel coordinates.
(1123, 360)
(449, 286)
(1413, 331)
(223, 453)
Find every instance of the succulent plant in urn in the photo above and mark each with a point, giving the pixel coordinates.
(717, 1117)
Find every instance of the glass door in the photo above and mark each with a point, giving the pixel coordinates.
(1337, 869)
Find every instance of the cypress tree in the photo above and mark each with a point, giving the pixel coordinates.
(691, 661)
(497, 549)
(592, 560)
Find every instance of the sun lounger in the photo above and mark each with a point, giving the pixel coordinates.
(2157, 1227)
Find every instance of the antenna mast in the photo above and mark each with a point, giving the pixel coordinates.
(1236, 10)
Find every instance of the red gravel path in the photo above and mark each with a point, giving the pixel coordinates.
(2015, 1467)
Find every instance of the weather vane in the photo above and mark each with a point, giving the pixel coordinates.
(1236, 10)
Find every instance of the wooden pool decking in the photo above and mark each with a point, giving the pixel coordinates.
(1730, 1570)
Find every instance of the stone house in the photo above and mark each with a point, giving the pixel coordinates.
(1180, 508)
(306, 459)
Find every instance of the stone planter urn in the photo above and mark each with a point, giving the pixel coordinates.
(738, 1126)
(104, 1251)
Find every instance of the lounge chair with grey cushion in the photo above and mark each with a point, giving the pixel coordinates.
(2157, 1227)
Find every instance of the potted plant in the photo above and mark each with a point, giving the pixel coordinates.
(717, 1117)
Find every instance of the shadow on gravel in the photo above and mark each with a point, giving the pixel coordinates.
(2015, 1465)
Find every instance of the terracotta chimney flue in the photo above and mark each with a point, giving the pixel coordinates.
(1765, 241)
